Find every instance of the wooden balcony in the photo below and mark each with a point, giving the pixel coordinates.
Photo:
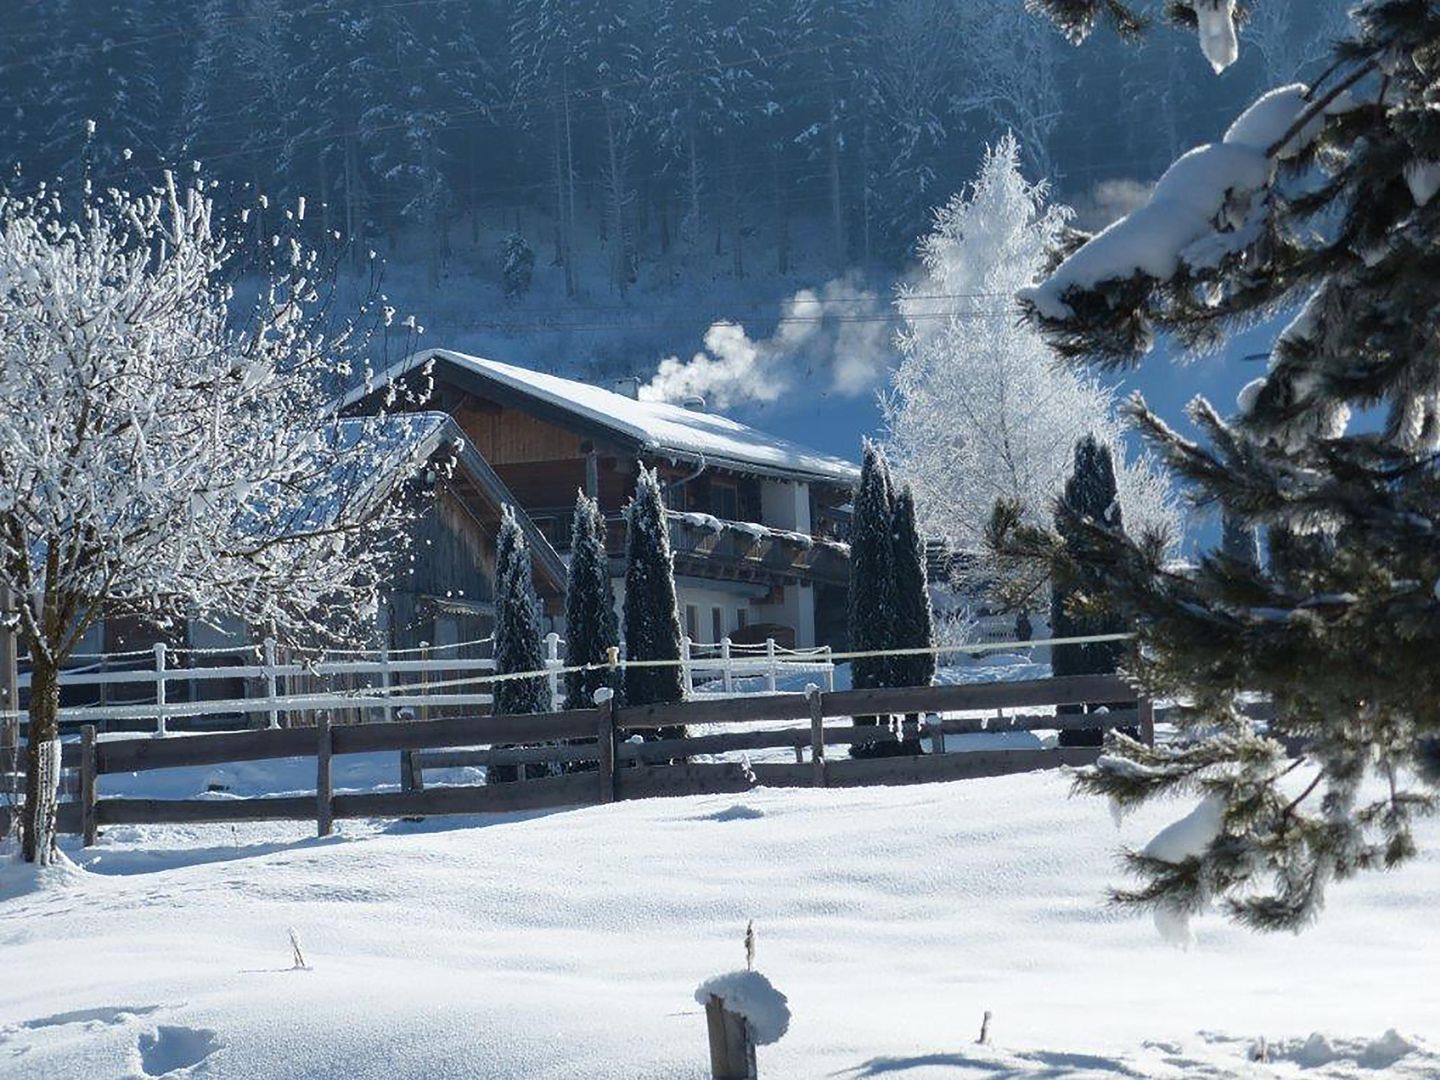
(707, 547)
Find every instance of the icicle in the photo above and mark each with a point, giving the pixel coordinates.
(1423, 178)
(1217, 32)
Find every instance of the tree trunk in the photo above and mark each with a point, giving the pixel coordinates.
(782, 216)
(38, 822)
(571, 286)
(837, 206)
(693, 141)
(622, 258)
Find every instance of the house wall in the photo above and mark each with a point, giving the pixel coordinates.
(447, 590)
(785, 505)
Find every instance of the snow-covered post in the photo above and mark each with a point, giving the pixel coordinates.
(817, 733)
(727, 676)
(424, 713)
(552, 661)
(742, 1011)
(605, 742)
(160, 688)
(686, 672)
(274, 714)
(829, 671)
(770, 671)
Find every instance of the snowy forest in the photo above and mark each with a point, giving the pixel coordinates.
(743, 136)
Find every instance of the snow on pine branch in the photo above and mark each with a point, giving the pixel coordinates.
(1208, 203)
(158, 459)
(1215, 21)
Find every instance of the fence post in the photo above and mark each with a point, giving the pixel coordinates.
(552, 661)
(160, 688)
(1145, 708)
(387, 711)
(770, 664)
(88, 829)
(687, 674)
(605, 742)
(270, 681)
(424, 712)
(324, 789)
(732, 1051)
(817, 734)
(727, 676)
(829, 671)
(935, 725)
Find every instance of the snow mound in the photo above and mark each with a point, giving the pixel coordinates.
(1317, 1051)
(751, 995)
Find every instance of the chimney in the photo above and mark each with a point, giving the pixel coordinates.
(627, 387)
(694, 402)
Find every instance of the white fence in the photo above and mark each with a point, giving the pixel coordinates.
(361, 685)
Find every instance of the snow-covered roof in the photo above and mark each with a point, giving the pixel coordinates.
(653, 427)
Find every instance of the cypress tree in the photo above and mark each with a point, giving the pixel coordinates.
(517, 633)
(1090, 497)
(913, 626)
(872, 582)
(652, 619)
(591, 625)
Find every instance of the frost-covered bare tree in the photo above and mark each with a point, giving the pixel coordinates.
(979, 409)
(1294, 37)
(161, 457)
(1009, 79)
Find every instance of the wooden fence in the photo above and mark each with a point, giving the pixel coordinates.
(616, 764)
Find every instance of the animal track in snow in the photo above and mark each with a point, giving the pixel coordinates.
(172, 1051)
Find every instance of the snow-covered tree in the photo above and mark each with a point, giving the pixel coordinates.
(592, 628)
(517, 265)
(160, 458)
(979, 410)
(652, 619)
(517, 634)
(1318, 197)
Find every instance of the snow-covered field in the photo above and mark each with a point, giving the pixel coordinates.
(570, 944)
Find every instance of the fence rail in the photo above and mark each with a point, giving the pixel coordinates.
(379, 684)
(615, 766)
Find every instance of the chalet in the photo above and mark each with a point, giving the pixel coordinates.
(757, 523)
(444, 597)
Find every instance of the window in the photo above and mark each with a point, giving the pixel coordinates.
(717, 622)
(724, 501)
(692, 622)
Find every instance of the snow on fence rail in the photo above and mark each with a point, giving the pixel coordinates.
(622, 769)
(370, 682)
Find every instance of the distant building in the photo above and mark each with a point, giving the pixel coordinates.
(757, 522)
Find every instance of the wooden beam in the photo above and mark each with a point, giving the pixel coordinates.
(324, 788)
(88, 829)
